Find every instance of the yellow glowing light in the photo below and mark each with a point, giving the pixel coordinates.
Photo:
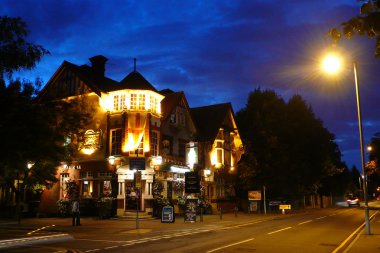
(332, 64)
(88, 151)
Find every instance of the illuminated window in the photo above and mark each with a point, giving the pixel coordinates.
(118, 102)
(141, 102)
(154, 143)
(153, 104)
(140, 148)
(116, 141)
(219, 152)
(107, 189)
(133, 101)
(87, 189)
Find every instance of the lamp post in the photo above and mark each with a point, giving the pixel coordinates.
(331, 65)
(366, 209)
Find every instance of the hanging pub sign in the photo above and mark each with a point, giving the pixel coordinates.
(136, 163)
(192, 183)
(191, 210)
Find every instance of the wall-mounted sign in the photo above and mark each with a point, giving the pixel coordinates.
(91, 141)
(191, 154)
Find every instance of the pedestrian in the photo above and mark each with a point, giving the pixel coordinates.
(76, 213)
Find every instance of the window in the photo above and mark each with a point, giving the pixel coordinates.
(140, 148)
(107, 188)
(87, 189)
(219, 152)
(118, 102)
(141, 102)
(86, 174)
(105, 174)
(173, 118)
(116, 141)
(133, 101)
(154, 143)
(153, 104)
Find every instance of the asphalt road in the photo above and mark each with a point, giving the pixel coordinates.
(312, 231)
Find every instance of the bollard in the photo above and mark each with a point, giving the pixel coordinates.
(201, 219)
(220, 213)
(283, 211)
(235, 210)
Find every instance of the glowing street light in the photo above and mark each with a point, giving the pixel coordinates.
(332, 64)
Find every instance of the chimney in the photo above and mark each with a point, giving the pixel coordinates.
(99, 64)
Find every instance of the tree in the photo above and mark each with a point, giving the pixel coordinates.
(288, 149)
(15, 52)
(367, 23)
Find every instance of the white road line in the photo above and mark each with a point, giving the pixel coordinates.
(356, 232)
(279, 230)
(305, 222)
(92, 250)
(229, 245)
(111, 247)
(319, 218)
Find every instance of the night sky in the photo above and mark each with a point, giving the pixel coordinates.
(216, 51)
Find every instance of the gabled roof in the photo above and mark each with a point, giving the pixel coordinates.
(95, 79)
(170, 101)
(135, 81)
(209, 119)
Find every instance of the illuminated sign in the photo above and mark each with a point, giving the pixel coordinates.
(191, 154)
(91, 141)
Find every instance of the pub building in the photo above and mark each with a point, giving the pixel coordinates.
(139, 131)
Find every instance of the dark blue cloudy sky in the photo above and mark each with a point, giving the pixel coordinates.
(215, 51)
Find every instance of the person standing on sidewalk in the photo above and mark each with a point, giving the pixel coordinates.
(76, 213)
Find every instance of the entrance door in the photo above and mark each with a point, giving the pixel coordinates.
(133, 196)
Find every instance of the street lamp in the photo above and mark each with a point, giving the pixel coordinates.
(332, 64)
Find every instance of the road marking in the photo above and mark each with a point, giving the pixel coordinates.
(229, 245)
(279, 230)
(305, 222)
(319, 218)
(111, 247)
(351, 235)
(92, 250)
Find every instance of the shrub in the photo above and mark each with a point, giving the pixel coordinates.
(64, 207)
